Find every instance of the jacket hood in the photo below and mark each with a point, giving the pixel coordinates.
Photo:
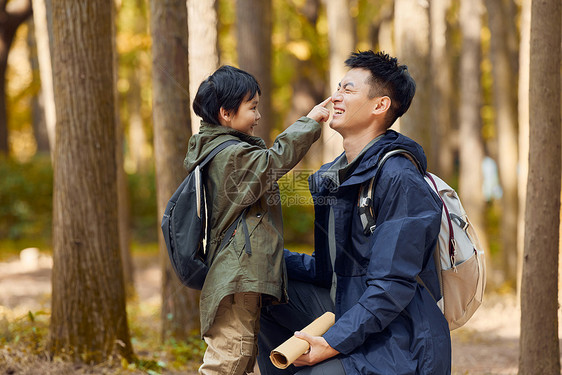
(209, 137)
(367, 166)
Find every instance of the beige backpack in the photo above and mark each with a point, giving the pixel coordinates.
(459, 258)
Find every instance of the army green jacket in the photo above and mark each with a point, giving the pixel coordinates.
(244, 176)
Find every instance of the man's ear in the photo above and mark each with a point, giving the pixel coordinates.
(382, 105)
(224, 116)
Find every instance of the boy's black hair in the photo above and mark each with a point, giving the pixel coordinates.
(227, 87)
(387, 78)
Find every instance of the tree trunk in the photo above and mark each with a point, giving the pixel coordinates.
(384, 34)
(411, 30)
(471, 148)
(11, 17)
(254, 55)
(539, 345)
(341, 37)
(138, 143)
(308, 84)
(42, 37)
(203, 48)
(505, 108)
(411, 38)
(37, 104)
(123, 207)
(170, 82)
(440, 126)
(523, 113)
(88, 302)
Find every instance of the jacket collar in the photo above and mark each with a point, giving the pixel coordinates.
(213, 130)
(364, 166)
(209, 137)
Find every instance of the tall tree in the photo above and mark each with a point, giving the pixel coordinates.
(539, 345)
(308, 83)
(254, 54)
(12, 15)
(203, 47)
(43, 41)
(89, 319)
(383, 32)
(133, 20)
(411, 38)
(471, 150)
(137, 133)
(341, 36)
(505, 109)
(170, 82)
(523, 118)
(37, 105)
(441, 90)
(123, 208)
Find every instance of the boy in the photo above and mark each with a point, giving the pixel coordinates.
(240, 183)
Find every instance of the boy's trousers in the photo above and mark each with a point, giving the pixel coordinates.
(232, 339)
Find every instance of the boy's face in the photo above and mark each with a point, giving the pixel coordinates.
(247, 116)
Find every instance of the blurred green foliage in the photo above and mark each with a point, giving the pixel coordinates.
(143, 206)
(26, 202)
(26, 191)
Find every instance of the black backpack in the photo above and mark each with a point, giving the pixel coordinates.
(184, 226)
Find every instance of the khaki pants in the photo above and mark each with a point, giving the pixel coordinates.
(232, 339)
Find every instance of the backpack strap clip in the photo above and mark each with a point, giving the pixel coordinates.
(364, 204)
(365, 209)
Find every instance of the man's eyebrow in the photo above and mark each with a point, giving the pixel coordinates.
(348, 84)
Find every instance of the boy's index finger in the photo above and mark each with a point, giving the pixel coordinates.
(325, 102)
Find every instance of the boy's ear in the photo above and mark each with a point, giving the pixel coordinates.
(224, 116)
(382, 105)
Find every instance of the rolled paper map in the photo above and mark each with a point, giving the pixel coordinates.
(286, 353)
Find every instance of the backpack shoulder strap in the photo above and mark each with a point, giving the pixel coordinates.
(242, 217)
(216, 150)
(366, 194)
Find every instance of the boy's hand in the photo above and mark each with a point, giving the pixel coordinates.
(320, 113)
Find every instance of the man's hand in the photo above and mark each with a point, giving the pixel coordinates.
(320, 113)
(318, 352)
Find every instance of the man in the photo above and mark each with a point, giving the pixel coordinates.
(386, 321)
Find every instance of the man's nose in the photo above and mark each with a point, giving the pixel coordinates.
(258, 115)
(336, 96)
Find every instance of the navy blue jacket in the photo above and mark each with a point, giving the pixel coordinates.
(386, 323)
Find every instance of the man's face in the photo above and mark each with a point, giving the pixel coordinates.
(353, 109)
(248, 115)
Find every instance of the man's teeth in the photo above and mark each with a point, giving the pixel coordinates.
(338, 111)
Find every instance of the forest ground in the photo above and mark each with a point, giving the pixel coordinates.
(487, 344)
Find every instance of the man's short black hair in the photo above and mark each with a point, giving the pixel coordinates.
(387, 78)
(226, 88)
